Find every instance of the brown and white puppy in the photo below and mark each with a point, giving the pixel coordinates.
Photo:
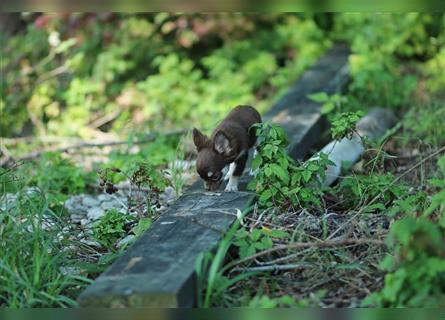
(229, 144)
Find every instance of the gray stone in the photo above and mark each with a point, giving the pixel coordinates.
(91, 243)
(95, 213)
(168, 194)
(125, 241)
(158, 270)
(110, 205)
(89, 201)
(104, 197)
(8, 201)
(85, 222)
(76, 217)
(74, 204)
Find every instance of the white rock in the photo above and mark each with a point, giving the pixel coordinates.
(90, 243)
(32, 190)
(74, 204)
(70, 270)
(161, 208)
(168, 194)
(8, 202)
(125, 241)
(76, 217)
(95, 213)
(89, 201)
(84, 222)
(110, 205)
(104, 197)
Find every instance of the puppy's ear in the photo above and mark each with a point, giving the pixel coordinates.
(200, 139)
(221, 143)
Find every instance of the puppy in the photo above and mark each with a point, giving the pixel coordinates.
(229, 144)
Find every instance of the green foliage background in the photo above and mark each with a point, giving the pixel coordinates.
(149, 71)
(92, 75)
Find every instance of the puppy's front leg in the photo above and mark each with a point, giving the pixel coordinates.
(230, 172)
(239, 166)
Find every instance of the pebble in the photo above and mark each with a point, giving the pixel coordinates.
(168, 194)
(125, 241)
(90, 243)
(8, 202)
(70, 270)
(89, 201)
(110, 205)
(95, 213)
(76, 217)
(103, 197)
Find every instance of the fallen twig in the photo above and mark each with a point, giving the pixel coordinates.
(82, 145)
(304, 245)
(274, 267)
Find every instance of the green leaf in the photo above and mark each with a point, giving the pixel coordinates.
(279, 234)
(265, 195)
(142, 225)
(280, 172)
(306, 175)
(256, 234)
(257, 161)
(318, 97)
(327, 107)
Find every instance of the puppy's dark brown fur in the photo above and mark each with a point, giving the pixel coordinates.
(229, 143)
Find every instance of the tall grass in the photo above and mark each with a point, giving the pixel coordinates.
(32, 256)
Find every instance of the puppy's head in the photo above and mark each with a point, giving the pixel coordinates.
(210, 164)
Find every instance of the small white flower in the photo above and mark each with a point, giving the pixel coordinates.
(54, 39)
(239, 216)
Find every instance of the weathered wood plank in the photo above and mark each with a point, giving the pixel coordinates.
(158, 270)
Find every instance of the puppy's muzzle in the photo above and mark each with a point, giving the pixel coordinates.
(212, 185)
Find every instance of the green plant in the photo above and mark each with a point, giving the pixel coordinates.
(330, 103)
(142, 225)
(383, 45)
(146, 183)
(361, 189)
(177, 170)
(343, 124)
(280, 180)
(111, 227)
(210, 270)
(438, 199)
(417, 271)
(264, 301)
(256, 240)
(57, 176)
(33, 258)
(426, 123)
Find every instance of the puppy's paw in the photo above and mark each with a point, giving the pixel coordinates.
(232, 185)
(231, 188)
